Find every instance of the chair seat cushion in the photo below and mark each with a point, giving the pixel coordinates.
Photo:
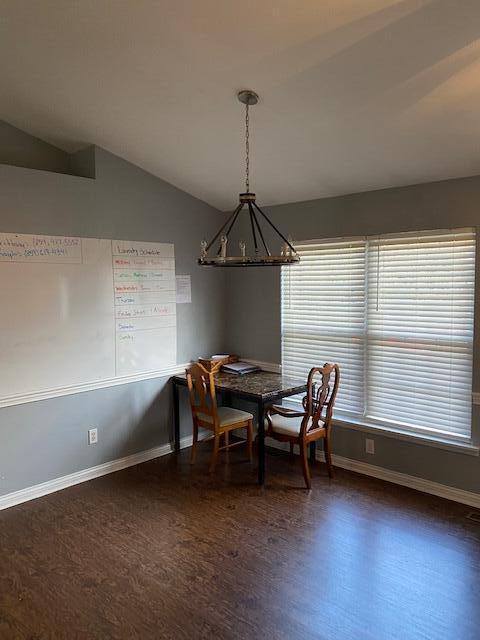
(287, 426)
(227, 415)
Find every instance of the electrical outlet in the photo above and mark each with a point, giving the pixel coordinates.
(370, 445)
(93, 436)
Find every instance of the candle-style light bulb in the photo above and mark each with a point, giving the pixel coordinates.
(290, 252)
(223, 246)
(203, 248)
(243, 248)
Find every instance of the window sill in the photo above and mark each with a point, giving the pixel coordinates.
(467, 448)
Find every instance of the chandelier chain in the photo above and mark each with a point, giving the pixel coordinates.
(247, 149)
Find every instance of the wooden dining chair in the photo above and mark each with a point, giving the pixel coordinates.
(207, 415)
(313, 423)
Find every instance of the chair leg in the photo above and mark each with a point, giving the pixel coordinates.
(328, 455)
(226, 438)
(250, 440)
(194, 444)
(305, 467)
(291, 448)
(216, 446)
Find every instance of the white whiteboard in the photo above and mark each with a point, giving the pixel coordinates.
(80, 311)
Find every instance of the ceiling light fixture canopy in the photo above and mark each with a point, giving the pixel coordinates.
(261, 257)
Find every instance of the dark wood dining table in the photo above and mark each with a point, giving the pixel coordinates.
(262, 388)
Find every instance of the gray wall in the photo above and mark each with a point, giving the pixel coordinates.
(43, 440)
(46, 439)
(253, 302)
(23, 150)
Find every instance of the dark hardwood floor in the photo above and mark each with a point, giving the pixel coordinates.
(165, 551)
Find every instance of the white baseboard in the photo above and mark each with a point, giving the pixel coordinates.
(413, 482)
(403, 479)
(57, 484)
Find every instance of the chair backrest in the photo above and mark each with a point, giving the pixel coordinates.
(201, 390)
(322, 387)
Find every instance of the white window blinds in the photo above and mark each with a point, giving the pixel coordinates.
(323, 315)
(396, 313)
(420, 330)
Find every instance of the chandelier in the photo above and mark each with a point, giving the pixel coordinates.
(262, 257)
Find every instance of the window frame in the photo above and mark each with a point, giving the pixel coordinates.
(423, 435)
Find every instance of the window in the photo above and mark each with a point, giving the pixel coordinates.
(396, 313)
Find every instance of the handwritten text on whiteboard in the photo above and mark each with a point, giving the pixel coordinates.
(19, 247)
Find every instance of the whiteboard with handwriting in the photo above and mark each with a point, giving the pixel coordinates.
(82, 313)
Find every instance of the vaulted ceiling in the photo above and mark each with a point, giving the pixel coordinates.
(354, 95)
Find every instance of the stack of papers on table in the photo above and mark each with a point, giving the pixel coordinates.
(240, 368)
